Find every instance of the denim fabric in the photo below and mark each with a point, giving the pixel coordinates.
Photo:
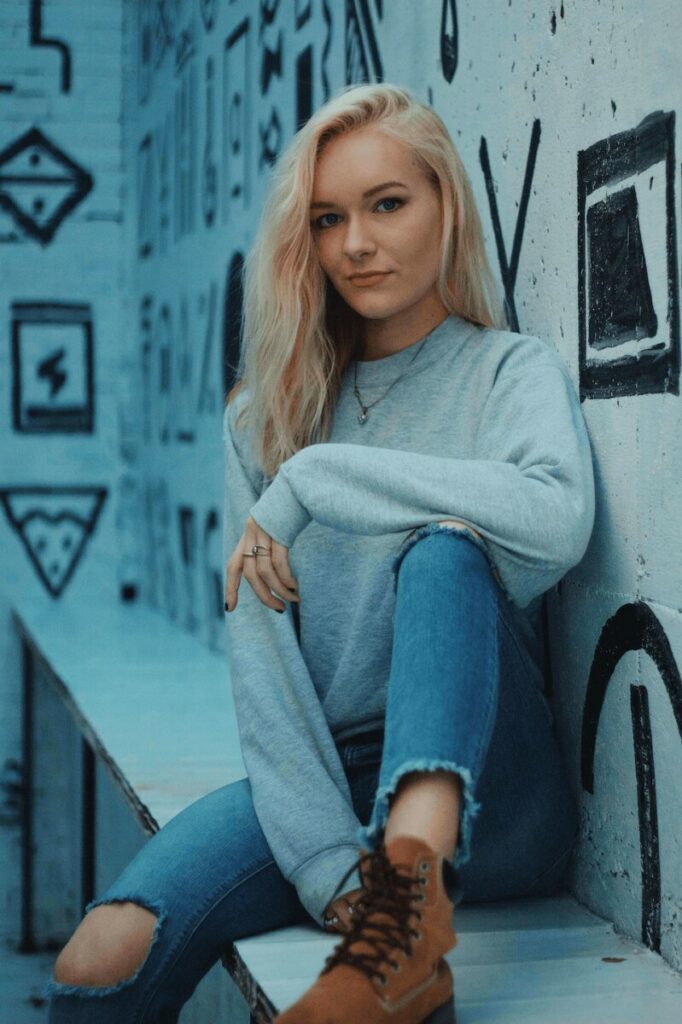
(463, 694)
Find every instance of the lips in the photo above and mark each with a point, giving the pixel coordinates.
(369, 279)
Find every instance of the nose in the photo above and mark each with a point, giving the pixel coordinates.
(357, 238)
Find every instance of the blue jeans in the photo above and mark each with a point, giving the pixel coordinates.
(463, 694)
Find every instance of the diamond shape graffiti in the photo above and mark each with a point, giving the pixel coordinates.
(39, 184)
(54, 525)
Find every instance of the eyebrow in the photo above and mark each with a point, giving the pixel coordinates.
(365, 195)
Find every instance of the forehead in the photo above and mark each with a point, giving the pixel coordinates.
(355, 161)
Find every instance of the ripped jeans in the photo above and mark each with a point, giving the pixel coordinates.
(463, 695)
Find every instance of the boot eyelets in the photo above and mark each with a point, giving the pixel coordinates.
(395, 966)
(383, 980)
(421, 896)
(424, 866)
(418, 936)
(423, 881)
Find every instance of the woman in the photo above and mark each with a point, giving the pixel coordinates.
(404, 480)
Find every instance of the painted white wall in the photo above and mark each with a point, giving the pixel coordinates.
(542, 100)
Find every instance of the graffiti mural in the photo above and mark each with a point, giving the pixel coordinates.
(449, 39)
(52, 367)
(237, 118)
(38, 38)
(628, 314)
(363, 59)
(40, 185)
(54, 525)
(509, 265)
(635, 627)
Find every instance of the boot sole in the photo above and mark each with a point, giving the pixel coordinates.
(443, 1014)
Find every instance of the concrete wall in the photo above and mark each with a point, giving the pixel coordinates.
(564, 115)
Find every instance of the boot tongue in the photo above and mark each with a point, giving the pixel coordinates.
(404, 850)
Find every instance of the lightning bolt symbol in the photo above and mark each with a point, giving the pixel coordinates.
(49, 369)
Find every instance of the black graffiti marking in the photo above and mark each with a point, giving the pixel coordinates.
(553, 18)
(271, 64)
(165, 565)
(620, 305)
(268, 13)
(144, 50)
(182, 380)
(38, 39)
(146, 351)
(162, 32)
(163, 137)
(7, 86)
(146, 188)
(326, 49)
(634, 627)
(188, 557)
(52, 367)
(509, 269)
(233, 300)
(271, 135)
(449, 39)
(213, 578)
(648, 816)
(302, 13)
(236, 117)
(208, 13)
(616, 306)
(163, 344)
(185, 153)
(363, 60)
(209, 174)
(39, 184)
(54, 525)
(128, 519)
(304, 86)
(185, 48)
(207, 401)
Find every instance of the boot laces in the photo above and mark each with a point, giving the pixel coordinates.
(390, 893)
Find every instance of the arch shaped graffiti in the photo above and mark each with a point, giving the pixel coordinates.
(634, 627)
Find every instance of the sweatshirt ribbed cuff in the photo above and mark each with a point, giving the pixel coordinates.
(316, 879)
(279, 512)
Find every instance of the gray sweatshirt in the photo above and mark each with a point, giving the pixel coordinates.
(485, 427)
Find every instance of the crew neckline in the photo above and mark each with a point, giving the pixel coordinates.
(448, 332)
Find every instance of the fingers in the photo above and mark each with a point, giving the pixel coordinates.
(232, 578)
(268, 571)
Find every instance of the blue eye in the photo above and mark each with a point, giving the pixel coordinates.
(391, 199)
(387, 199)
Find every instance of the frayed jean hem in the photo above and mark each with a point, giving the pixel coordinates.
(58, 988)
(463, 532)
(370, 835)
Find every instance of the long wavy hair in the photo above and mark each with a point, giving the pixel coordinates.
(298, 333)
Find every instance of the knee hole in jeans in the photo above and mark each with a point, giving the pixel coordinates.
(108, 947)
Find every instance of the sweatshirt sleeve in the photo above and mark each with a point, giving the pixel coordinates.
(529, 490)
(300, 791)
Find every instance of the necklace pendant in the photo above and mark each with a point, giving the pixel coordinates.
(362, 416)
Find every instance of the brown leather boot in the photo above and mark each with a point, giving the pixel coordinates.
(389, 966)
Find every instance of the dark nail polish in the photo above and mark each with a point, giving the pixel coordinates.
(280, 610)
(226, 608)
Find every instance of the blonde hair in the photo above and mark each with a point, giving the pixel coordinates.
(299, 335)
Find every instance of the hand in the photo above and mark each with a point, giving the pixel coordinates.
(265, 572)
(339, 912)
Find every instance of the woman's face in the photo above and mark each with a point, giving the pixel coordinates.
(396, 229)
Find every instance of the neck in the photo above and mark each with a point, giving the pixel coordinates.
(392, 334)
